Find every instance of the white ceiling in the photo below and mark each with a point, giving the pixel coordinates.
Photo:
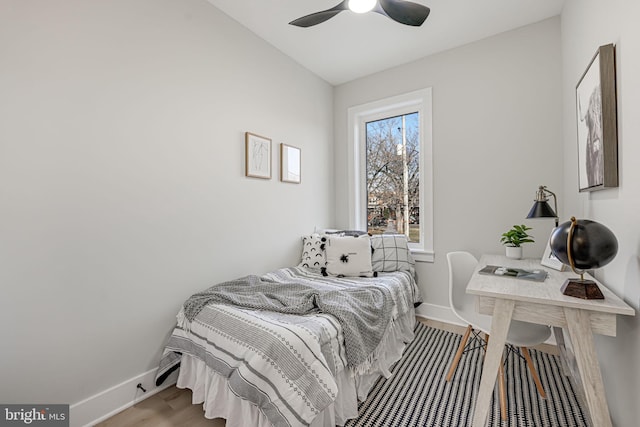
(349, 46)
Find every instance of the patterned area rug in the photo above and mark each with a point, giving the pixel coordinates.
(418, 395)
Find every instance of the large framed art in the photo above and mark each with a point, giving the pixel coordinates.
(597, 123)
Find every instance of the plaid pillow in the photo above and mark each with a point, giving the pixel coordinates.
(391, 253)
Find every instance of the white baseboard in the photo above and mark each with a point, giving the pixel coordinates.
(116, 399)
(440, 313)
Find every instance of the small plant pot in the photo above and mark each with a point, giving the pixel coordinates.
(513, 252)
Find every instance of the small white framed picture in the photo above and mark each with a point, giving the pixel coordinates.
(289, 164)
(257, 156)
(550, 260)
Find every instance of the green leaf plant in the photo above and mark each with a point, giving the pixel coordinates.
(516, 236)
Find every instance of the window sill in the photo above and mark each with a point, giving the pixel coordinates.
(422, 256)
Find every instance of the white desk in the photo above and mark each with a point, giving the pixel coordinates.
(543, 303)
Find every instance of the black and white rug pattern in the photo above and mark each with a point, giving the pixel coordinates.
(418, 395)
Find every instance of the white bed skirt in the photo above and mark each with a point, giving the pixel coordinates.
(218, 401)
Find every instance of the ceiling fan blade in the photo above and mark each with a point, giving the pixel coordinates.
(404, 12)
(320, 17)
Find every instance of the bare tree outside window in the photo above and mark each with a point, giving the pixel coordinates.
(393, 176)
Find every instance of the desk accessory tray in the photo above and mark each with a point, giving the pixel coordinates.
(514, 273)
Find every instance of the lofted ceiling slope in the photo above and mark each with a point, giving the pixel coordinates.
(349, 45)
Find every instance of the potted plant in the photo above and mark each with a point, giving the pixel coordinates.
(514, 238)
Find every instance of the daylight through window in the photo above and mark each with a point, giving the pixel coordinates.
(393, 175)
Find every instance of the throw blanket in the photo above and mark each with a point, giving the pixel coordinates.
(364, 312)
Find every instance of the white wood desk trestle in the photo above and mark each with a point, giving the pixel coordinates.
(543, 303)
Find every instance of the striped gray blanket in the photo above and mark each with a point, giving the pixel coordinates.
(285, 363)
(364, 312)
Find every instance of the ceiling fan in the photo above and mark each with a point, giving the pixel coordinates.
(402, 11)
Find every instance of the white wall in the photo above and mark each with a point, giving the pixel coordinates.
(497, 136)
(121, 171)
(122, 187)
(587, 24)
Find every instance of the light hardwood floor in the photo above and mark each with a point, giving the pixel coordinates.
(172, 407)
(169, 408)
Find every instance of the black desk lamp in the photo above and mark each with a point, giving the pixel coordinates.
(541, 208)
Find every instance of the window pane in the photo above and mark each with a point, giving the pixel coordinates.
(393, 176)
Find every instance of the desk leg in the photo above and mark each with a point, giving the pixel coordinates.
(562, 348)
(502, 313)
(579, 326)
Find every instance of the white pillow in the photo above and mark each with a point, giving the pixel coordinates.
(313, 255)
(391, 253)
(349, 256)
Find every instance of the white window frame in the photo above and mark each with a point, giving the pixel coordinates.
(420, 101)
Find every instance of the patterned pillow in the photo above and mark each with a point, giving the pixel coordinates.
(313, 255)
(349, 256)
(391, 253)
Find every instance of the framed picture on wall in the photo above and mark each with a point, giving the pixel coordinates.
(597, 123)
(257, 156)
(290, 166)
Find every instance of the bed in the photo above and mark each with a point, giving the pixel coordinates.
(298, 346)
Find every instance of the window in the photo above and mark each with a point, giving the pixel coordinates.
(393, 175)
(391, 169)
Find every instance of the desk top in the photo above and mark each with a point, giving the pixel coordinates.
(547, 292)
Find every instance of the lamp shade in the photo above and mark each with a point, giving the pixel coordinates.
(592, 245)
(541, 210)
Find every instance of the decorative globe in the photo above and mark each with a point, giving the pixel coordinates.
(592, 245)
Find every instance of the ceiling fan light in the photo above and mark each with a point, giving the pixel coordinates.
(362, 6)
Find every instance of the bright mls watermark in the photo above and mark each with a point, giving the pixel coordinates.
(34, 415)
